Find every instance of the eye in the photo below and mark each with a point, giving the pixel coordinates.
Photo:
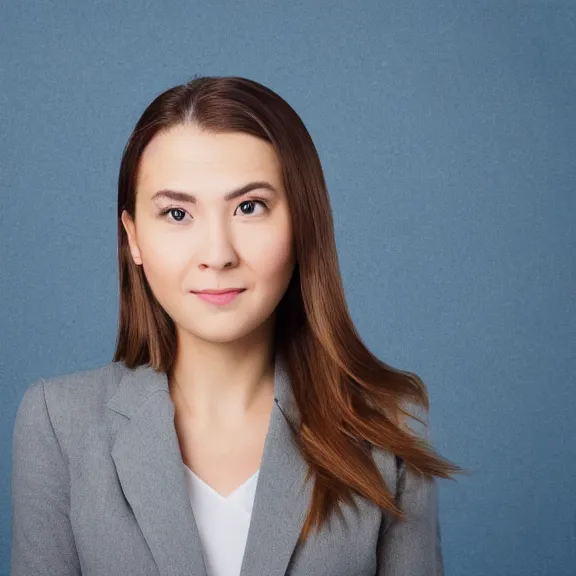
(179, 213)
(247, 207)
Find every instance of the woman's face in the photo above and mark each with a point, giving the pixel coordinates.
(206, 241)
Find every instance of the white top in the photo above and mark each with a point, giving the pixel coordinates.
(222, 522)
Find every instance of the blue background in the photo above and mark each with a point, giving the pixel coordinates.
(448, 135)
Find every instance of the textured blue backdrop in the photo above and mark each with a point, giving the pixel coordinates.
(448, 135)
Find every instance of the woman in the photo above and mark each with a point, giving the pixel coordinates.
(242, 428)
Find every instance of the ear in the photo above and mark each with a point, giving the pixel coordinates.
(130, 228)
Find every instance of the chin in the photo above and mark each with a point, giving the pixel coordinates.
(224, 335)
(218, 338)
(225, 330)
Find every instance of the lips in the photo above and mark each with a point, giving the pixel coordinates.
(222, 291)
(219, 297)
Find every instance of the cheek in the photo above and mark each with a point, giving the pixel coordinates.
(270, 256)
(162, 262)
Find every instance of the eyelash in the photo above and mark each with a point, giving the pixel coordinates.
(253, 200)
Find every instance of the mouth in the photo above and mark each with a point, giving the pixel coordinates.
(222, 291)
(219, 297)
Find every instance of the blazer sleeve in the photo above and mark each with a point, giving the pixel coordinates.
(412, 547)
(42, 538)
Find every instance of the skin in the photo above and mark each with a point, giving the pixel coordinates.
(222, 383)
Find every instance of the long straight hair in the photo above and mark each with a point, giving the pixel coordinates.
(348, 398)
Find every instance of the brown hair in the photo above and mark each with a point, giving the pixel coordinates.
(348, 398)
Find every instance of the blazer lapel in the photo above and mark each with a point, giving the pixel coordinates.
(149, 465)
(147, 457)
(282, 493)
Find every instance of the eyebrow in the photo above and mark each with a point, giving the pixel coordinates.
(186, 197)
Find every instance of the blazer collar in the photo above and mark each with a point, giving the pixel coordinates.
(138, 384)
(149, 464)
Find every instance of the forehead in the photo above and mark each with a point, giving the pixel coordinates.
(187, 156)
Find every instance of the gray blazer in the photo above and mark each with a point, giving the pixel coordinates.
(98, 489)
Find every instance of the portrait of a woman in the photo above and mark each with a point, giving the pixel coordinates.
(242, 427)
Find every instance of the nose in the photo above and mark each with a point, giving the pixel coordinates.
(217, 250)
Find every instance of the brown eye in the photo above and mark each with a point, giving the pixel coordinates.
(247, 207)
(177, 213)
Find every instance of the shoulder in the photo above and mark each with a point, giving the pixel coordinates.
(396, 473)
(389, 465)
(82, 386)
(72, 399)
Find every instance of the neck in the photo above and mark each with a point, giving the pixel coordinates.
(223, 382)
